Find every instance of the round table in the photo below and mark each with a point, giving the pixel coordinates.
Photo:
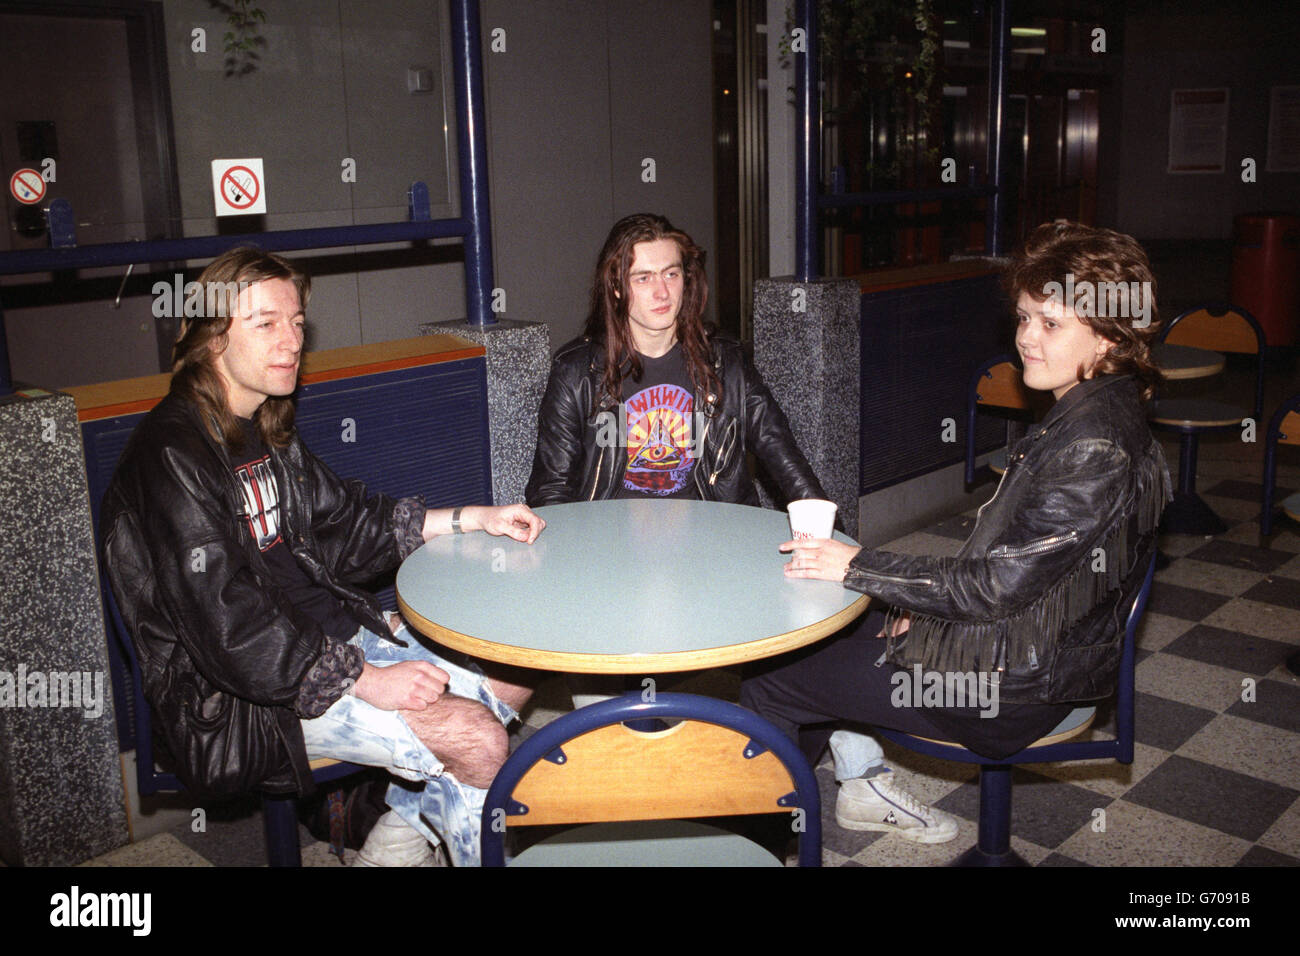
(1183, 361)
(623, 587)
(1188, 513)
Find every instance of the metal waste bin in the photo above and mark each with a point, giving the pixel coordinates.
(1266, 272)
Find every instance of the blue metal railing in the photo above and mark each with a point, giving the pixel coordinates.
(997, 117)
(887, 197)
(202, 247)
(808, 138)
(807, 143)
(473, 225)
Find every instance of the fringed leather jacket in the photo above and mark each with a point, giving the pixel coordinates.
(571, 464)
(223, 656)
(1040, 590)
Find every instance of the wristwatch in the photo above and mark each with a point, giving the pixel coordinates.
(455, 522)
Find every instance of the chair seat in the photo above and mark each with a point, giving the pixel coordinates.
(646, 843)
(998, 462)
(1073, 724)
(1197, 413)
(1291, 507)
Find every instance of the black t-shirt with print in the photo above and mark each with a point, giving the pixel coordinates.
(658, 436)
(255, 476)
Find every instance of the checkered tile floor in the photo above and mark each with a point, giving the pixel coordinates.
(1216, 776)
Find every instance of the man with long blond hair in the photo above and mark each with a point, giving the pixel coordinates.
(236, 558)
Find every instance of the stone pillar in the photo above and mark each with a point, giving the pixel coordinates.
(518, 364)
(806, 346)
(61, 798)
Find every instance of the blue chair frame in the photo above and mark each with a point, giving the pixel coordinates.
(547, 744)
(279, 811)
(1275, 435)
(972, 407)
(994, 845)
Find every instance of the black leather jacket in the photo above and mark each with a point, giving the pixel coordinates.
(570, 465)
(1040, 590)
(222, 653)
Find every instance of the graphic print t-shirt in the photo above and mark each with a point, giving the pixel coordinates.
(658, 439)
(261, 496)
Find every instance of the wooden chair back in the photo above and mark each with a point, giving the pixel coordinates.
(1289, 429)
(1003, 386)
(692, 769)
(1229, 331)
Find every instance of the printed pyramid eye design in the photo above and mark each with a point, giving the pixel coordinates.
(659, 440)
(659, 450)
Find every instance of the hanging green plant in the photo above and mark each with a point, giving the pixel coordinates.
(890, 47)
(242, 41)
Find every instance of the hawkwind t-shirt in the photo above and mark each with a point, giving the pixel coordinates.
(261, 511)
(657, 437)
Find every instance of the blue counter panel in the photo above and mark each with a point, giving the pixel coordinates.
(920, 346)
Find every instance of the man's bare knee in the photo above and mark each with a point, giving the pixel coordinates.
(464, 735)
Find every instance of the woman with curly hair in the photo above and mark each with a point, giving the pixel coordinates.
(1032, 608)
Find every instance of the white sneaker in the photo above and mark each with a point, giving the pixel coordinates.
(874, 803)
(393, 842)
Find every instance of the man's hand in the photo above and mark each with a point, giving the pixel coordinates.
(407, 685)
(823, 558)
(517, 521)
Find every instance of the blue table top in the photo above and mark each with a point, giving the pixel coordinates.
(624, 587)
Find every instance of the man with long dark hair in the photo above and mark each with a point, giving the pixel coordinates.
(235, 556)
(649, 402)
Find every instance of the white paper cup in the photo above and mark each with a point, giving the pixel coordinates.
(811, 518)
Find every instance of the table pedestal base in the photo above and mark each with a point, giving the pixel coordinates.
(1189, 514)
(977, 857)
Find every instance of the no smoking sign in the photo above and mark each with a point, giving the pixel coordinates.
(238, 187)
(27, 186)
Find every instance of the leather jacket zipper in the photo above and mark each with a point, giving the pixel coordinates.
(997, 491)
(728, 441)
(1034, 547)
(595, 482)
(697, 474)
(928, 582)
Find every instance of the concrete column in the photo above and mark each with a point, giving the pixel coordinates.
(518, 363)
(61, 798)
(806, 346)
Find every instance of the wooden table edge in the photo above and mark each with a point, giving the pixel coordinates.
(674, 661)
(1196, 422)
(1196, 371)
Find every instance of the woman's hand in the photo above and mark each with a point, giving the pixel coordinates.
(898, 627)
(822, 558)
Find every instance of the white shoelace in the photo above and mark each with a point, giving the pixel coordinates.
(887, 790)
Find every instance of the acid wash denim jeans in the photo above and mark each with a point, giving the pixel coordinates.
(433, 802)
